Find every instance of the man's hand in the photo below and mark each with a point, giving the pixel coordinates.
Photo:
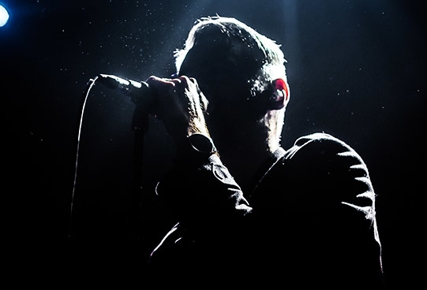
(180, 105)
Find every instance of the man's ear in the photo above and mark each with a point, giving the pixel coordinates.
(279, 95)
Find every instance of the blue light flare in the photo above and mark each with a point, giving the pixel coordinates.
(4, 16)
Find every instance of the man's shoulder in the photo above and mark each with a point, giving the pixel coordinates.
(324, 161)
(318, 138)
(319, 171)
(320, 145)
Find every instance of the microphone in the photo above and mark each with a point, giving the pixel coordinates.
(139, 92)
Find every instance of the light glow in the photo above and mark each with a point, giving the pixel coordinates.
(4, 16)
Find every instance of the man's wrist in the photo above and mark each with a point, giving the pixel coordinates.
(202, 144)
(195, 149)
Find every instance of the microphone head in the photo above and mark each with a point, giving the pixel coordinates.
(112, 82)
(139, 92)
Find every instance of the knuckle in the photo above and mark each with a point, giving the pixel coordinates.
(151, 79)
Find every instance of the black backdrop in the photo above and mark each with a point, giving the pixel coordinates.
(356, 70)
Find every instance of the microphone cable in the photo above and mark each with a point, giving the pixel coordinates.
(86, 92)
(139, 93)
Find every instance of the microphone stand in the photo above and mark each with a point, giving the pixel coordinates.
(140, 124)
(142, 96)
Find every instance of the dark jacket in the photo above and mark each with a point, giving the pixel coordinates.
(308, 221)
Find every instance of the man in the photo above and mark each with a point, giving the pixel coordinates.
(248, 210)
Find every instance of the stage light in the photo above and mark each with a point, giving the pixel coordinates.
(4, 16)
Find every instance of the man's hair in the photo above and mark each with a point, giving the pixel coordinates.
(262, 49)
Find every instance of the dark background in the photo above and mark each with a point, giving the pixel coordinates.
(356, 70)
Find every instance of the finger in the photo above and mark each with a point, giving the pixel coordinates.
(161, 86)
(176, 80)
(182, 81)
(202, 98)
(158, 81)
(203, 102)
(193, 80)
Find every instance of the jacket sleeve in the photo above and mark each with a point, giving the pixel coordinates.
(205, 199)
(335, 196)
(339, 174)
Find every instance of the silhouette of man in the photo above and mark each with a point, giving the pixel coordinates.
(249, 211)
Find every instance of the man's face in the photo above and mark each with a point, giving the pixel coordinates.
(226, 78)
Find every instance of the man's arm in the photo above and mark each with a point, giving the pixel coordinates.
(200, 191)
(206, 199)
(334, 188)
